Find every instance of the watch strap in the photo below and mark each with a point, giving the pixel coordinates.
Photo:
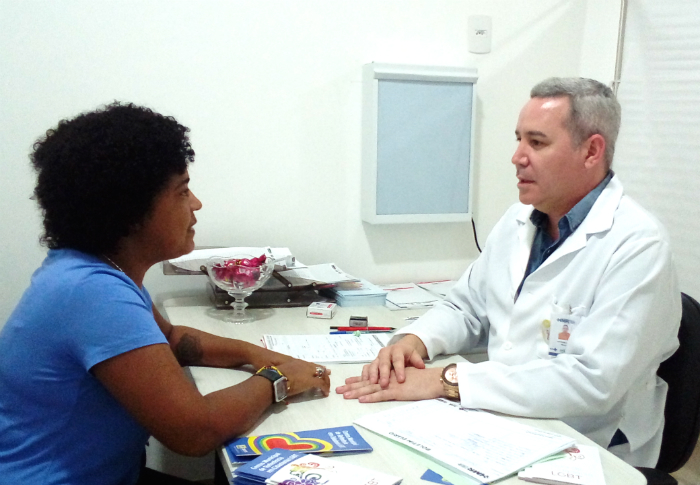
(279, 381)
(269, 372)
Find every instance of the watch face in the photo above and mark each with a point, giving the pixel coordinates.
(280, 389)
(450, 375)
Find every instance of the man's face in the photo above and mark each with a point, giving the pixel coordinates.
(550, 170)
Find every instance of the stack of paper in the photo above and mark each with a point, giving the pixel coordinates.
(405, 296)
(329, 441)
(579, 465)
(360, 293)
(283, 466)
(476, 443)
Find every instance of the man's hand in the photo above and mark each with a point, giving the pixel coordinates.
(418, 384)
(409, 351)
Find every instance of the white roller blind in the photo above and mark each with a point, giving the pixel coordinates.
(658, 151)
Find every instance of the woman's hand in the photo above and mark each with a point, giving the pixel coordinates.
(302, 376)
(409, 351)
(418, 384)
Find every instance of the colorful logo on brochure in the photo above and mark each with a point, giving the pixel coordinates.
(288, 441)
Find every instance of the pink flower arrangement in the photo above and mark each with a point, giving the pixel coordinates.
(243, 273)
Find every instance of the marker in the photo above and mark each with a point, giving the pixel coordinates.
(353, 329)
(346, 332)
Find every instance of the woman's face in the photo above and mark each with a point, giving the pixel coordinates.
(168, 230)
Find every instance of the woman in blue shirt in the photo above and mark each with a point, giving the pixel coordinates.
(89, 369)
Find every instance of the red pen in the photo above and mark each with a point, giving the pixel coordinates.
(354, 329)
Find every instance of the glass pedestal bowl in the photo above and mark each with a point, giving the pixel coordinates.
(239, 276)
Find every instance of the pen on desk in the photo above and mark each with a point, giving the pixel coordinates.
(362, 328)
(350, 332)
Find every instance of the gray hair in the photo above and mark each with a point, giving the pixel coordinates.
(594, 109)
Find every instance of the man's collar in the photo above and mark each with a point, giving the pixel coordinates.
(578, 213)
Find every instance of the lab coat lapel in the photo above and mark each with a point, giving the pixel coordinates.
(520, 257)
(599, 219)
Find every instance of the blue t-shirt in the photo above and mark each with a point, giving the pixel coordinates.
(58, 424)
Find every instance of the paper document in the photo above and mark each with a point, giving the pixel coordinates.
(317, 273)
(578, 465)
(440, 288)
(477, 443)
(329, 348)
(408, 295)
(198, 257)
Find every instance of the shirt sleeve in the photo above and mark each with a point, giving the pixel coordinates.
(109, 315)
(457, 324)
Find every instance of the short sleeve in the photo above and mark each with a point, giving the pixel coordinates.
(108, 315)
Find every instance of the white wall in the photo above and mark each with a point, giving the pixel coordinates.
(272, 93)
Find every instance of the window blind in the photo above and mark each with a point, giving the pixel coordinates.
(658, 150)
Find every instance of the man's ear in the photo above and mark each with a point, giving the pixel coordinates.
(595, 151)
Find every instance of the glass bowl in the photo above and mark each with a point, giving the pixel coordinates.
(240, 276)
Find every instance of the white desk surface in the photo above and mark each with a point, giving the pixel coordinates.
(309, 411)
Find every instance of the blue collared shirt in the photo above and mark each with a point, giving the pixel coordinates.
(543, 245)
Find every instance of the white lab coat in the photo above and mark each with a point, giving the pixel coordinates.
(616, 271)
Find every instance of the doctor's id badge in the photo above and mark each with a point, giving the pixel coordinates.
(562, 323)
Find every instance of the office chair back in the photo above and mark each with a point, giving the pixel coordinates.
(682, 374)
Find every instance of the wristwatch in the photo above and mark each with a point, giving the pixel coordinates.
(449, 381)
(279, 381)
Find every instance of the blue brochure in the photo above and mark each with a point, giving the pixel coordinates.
(343, 439)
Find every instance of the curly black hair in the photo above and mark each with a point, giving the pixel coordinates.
(100, 173)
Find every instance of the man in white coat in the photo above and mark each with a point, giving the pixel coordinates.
(576, 252)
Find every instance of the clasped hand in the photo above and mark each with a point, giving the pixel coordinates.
(397, 374)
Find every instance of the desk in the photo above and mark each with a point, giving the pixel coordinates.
(310, 411)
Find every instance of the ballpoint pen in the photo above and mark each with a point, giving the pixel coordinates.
(348, 332)
(363, 328)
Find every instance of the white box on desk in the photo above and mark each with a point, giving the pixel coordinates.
(321, 309)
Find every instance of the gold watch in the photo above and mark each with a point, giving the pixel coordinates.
(449, 381)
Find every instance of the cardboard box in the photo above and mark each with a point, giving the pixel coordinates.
(320, 309)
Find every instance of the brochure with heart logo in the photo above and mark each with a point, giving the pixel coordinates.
(277, 467)
(343, 439)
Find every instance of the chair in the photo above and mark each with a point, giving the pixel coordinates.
(682, 411)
